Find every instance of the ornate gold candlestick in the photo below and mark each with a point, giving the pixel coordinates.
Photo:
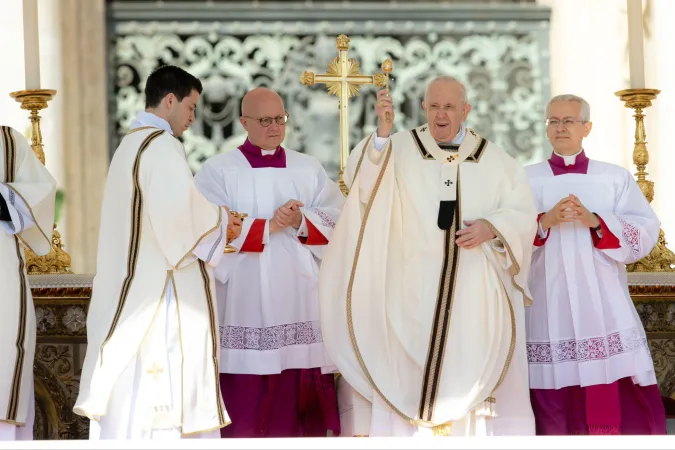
(57, 260)
(661, 259)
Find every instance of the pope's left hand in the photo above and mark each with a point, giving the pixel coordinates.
(475, 233)
(582, 214)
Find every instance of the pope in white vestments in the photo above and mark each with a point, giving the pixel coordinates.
(271, 346)
(423, 286)
(151, 368)
(27, 195)
(591, 371)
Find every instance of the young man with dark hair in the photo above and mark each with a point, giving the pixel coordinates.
(151, 368)
(171, 94)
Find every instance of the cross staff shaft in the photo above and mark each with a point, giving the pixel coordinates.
(343, 80)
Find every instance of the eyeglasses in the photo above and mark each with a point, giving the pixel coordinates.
(267, 121)
(566, 122)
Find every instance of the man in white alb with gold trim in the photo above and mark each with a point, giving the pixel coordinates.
(424, 283)
(151, 369)
(27, 194)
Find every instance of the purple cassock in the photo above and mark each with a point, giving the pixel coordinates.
(293, 403)
(621, 407)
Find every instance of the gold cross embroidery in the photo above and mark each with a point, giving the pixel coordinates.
(155, 371)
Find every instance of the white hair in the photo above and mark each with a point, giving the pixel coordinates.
(447, 79)
(585, 107)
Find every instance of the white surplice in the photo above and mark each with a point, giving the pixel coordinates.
(151, 368)
(427, 333)
(582, 328)
(268, 300)
(29, 192)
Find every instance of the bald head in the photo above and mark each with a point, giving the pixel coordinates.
(259, 99)
(261, 111)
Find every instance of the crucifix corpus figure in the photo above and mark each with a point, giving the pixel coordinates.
(343, 79)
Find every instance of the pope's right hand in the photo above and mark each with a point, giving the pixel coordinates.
(383, 107)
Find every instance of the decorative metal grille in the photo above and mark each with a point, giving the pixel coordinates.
(500, 51)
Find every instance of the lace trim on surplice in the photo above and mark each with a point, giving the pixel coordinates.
(590, 349)
(270, 338)
(631, 235)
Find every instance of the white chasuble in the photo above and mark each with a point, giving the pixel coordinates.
(28, 192)
(268, 288)
(151, 368)
(430, 334)
(583, 328)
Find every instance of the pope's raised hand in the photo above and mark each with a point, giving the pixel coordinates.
(384, 108)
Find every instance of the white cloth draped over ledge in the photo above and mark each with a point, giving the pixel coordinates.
(85, 279)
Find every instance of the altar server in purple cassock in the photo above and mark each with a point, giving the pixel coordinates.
(27, 196)
(590, 368)
(271, 346)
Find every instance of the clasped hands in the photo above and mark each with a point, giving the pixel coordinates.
(288, 215)
(569, 209)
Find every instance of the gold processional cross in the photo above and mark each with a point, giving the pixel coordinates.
(343, 80)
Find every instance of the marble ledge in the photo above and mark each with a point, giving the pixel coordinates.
(60, 281)
(666, 279)
(651, 279)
